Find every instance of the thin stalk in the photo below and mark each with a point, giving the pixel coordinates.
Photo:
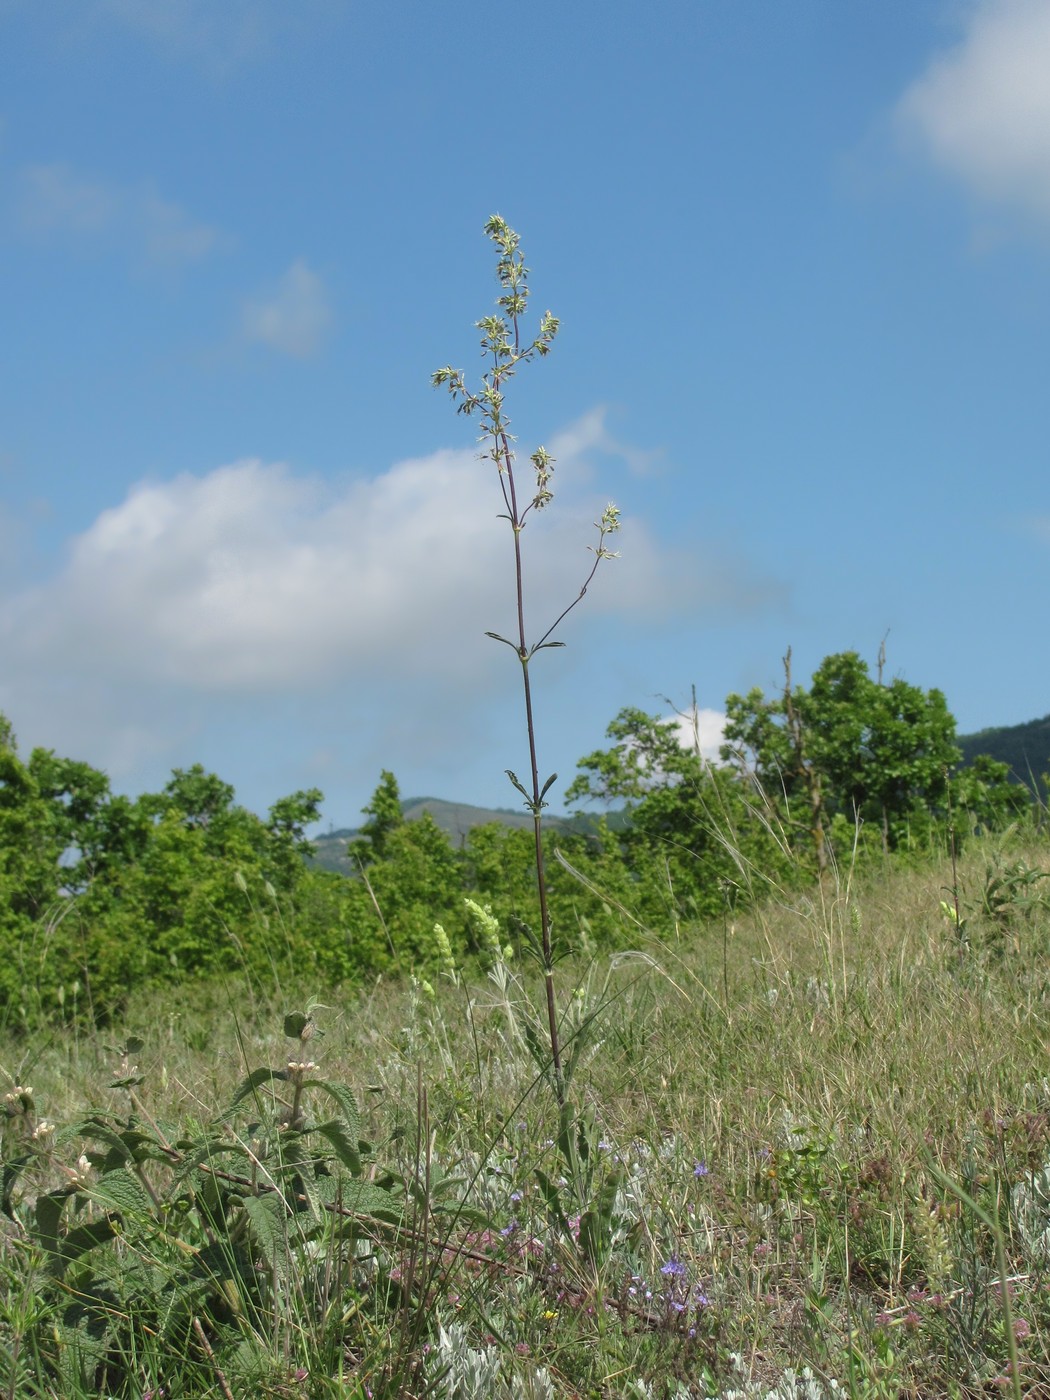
(534, 770)
(501, 339)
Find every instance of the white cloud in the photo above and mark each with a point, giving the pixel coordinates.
(294, 317)
(982, 110)
(55, 200)
(703, 729)
(590, 433)
(251, 578)
(253, 587)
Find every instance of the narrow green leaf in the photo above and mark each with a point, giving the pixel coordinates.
(12, 1169)
(514, 779)
(553, 1199)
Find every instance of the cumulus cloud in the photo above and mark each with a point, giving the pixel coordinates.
(369, 596)
(57, 201)
(252, 578)
(294, 317)
(703, 729)
(981, 111)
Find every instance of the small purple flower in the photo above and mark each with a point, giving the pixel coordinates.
(674, 1268)
(508, 1230)
(700, 1169)
(515, 1197)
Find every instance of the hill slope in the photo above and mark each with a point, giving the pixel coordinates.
(454, 818)
(1024, 747)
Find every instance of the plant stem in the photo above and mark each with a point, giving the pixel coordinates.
(537, 800)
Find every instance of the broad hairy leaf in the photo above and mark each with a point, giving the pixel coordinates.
(256, 1080)
(268, 1216)
(122, 1191)
(344, 1143)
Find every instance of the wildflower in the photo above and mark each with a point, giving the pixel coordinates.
(674, 1268)
(19, 1100)
(1022, 1328)
(298, 1069)
(700, 1169)
(79, 1174)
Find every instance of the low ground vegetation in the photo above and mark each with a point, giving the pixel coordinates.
(101, 894)
(814, 1159)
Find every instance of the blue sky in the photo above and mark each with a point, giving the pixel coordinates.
(801, 256)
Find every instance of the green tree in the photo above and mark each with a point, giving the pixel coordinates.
(289, 846)
(384, 818)
(698, 835)
(847, 747)
(989, 797)
(30, 845)
(416, 882)
(201, 798)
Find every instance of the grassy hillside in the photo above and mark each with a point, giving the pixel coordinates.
(813, 1138)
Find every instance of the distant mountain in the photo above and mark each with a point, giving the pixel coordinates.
(455, 819)
(1024, 747)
